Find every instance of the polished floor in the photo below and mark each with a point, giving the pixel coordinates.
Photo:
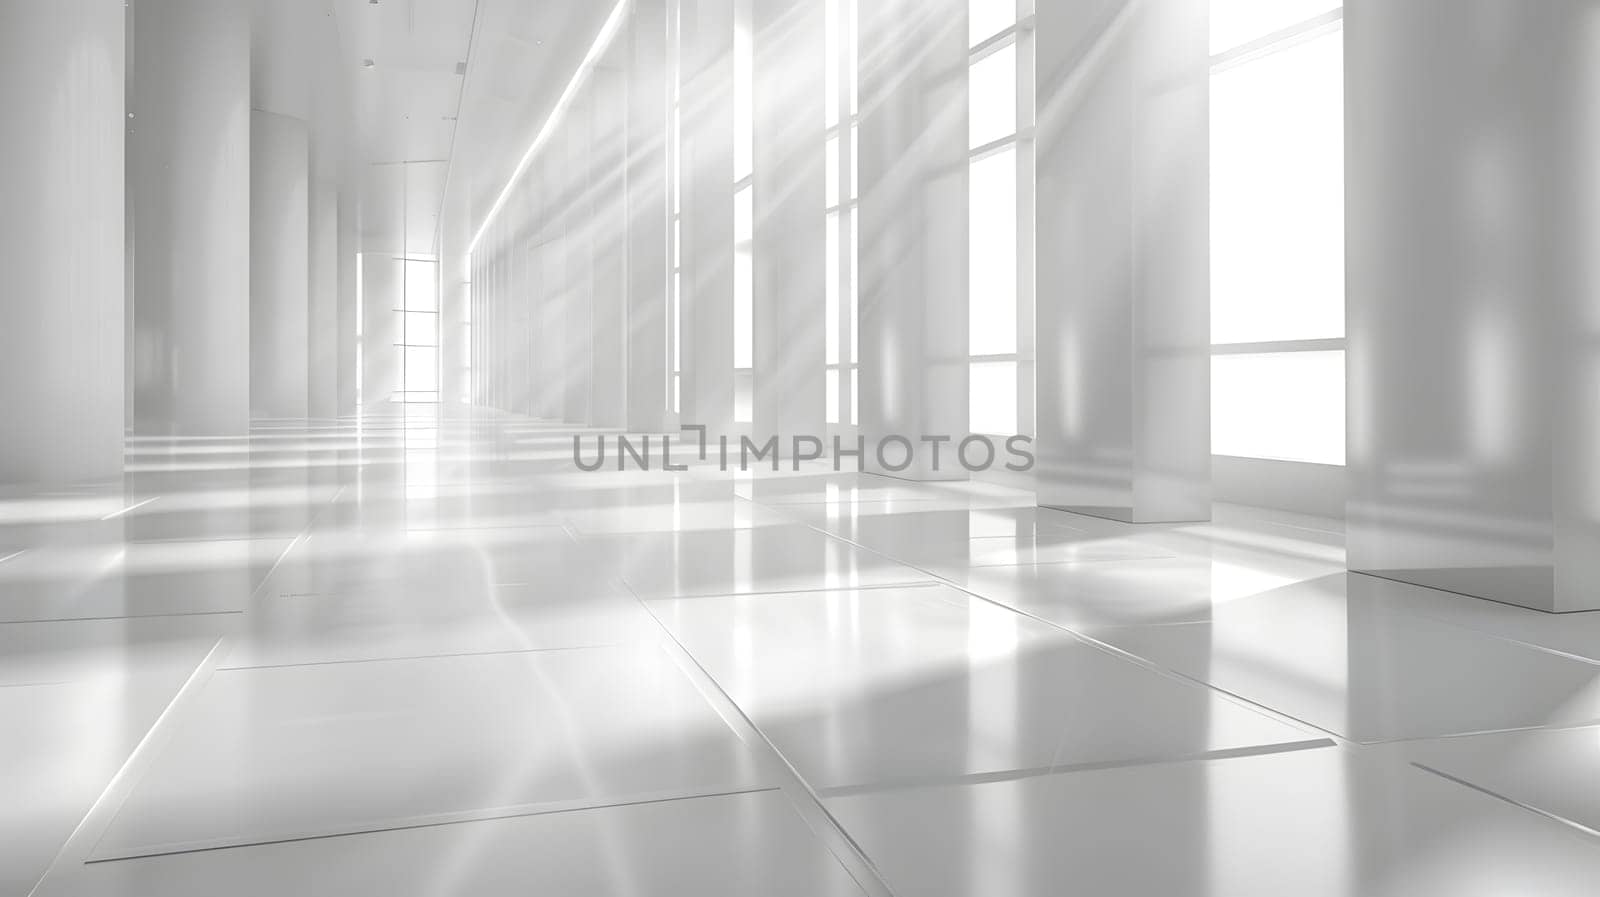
(410, 656)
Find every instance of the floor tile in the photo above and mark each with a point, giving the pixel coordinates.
(299, 751)
(1335, 652)
(1110, 593)
(743, 845)
(75, 699)
(892, 685)
(762, 559)
(135, 579)
(1318, 823)
(1551, 771)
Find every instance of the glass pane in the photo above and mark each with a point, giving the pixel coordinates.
(831, 291)
(743, 103)
(833, 396)
(993, 397)
(1285, 405)
(744, 401)
(422, 286)
(830, 79)
(744, 215)
(855, 163)
(992, 307)
(986, 18)
(422, 370)
(1236, 22)
(421, 329)
(994, 97)
(855, 286)
(855, 397)
(852, 56)
(743, 310)
(1277, 196)
(831, 168)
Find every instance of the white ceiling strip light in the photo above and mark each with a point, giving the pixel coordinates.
(608, 31)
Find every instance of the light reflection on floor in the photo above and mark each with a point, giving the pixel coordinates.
(423, 654)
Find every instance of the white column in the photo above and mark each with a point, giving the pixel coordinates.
(190, 188)
(322, 387)
(790, 205)
(382, 277)
(648, 210)
(551, 339)
(579, 209)
(914, 222)
(1123, 309)
(609, 320)
(707, 215)
(454, 334)
(280, 271)
(61, 240)
(1473, 317)
(348, 243)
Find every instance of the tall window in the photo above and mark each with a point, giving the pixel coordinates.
(744, 272)
(842, 298)
(1000, 160)
(419, 330)
(674, 397)
(1277, 230)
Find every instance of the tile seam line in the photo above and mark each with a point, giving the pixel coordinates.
(1113, 650)
(709, 683)
(1001, 776)
(465, 817)
(96, 821)
(1571, 824)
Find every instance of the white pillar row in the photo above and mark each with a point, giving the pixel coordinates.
(550, 302)
(1123, 310)
(524, 288)
(455, 328)
(322, 339)
(1473, 320)
(707, 235)
(790, 200)
(189, 182)
(382, 279)
(648, 213)
(349, 229)
(608, 320)
(577, 215)
(280, 270)
(914, 231)
(61, 241)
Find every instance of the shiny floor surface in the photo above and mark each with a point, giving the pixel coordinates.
(411, 657)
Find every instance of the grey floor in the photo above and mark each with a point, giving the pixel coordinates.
(408, 656)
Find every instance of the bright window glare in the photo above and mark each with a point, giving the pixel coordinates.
(831, 295)
(994, 97)
(994, 398)
(1277, 187)
(1287, 406)
(986, 18)
(831, 171)
(744, 352)
(833, 396)
(743, 104)
(422, 286)
(1237, 22)
(992, 307)
(422, 370)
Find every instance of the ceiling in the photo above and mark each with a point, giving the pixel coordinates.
(434, 126)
